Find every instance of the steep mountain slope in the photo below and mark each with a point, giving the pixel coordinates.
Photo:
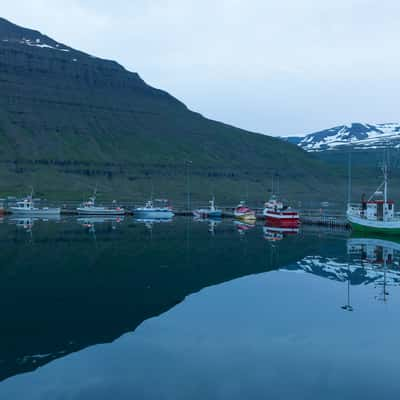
(69, 120)
(356, 135)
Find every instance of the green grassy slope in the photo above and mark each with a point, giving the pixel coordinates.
(69, 121)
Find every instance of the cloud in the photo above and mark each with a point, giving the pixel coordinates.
(278, 67)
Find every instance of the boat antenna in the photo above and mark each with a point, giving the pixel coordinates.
(152, 191)
(277, 183)
(385, 175)
(272, 192)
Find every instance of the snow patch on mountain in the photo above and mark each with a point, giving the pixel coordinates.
(38, 43)
(356, 135)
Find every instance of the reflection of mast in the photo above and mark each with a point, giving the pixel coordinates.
(384, 294)
(211, 226)
(348, 306)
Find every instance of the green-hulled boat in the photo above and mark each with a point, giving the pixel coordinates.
(376, 215)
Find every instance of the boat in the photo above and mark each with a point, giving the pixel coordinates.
(2, 208)
(377, 214)
(210, 212)
(243, 212)
(152, 211)
(279, 215)
(89, 208)
(27, 207)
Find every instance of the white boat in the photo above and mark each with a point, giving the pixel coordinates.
(89, 208)
(27, 207)
(375, 214)
(211, 212)
(150, 211)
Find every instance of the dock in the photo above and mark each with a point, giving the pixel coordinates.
(321, 217)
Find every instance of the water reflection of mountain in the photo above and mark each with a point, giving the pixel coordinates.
(63, 291)
(368, 261)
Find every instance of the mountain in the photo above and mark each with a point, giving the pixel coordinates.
(69, 121)
(358, 136)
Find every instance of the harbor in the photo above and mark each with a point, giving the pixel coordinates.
(308, 216)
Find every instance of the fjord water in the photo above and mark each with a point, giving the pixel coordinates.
(96, 309)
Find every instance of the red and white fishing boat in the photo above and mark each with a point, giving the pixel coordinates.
(279, 215)
(243, 212)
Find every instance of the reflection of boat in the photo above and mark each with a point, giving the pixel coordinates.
(273, 233)
(149, 222)
(279, 215)
(244, 226)
(374, 250)
(25, 223)
(28, 222)
(243, 212)
(153, 220)
(381, 255)
(27, 207)
(99, 220)
(376, 214)
(212, 223)
(151, 211)
(210, 212)
(90, 222)
(89, 208)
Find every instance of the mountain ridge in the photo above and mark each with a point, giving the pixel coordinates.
(70, 121)
(359, 136)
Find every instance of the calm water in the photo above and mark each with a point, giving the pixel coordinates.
(189, 310)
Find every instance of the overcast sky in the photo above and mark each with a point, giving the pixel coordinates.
(280, 67)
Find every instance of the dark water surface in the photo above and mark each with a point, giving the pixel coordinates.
(190, 310)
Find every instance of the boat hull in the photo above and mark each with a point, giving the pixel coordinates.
(99, 211)
(378, 227)
(207, 214)
(283, 220)
(153, 214)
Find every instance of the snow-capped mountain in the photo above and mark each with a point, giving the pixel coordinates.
(356, 135)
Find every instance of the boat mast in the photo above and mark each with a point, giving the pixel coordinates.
(349, 180)
(385, 183)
